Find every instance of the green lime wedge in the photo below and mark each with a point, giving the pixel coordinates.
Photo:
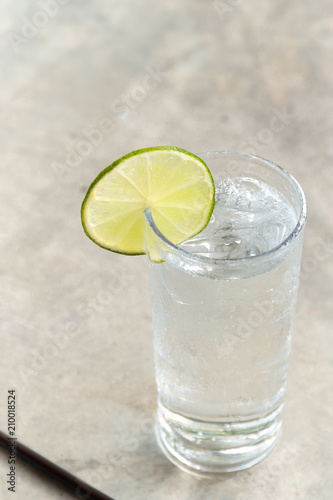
(176, 185)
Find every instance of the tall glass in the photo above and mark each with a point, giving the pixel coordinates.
(223, 305)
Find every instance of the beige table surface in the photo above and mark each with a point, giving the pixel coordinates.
(76, 336)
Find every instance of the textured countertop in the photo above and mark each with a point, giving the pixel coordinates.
(82, 83)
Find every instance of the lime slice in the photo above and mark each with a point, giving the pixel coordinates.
(175, 184)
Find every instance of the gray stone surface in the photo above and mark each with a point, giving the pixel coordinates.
(76, 337)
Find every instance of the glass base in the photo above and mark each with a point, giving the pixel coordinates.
(208, 448)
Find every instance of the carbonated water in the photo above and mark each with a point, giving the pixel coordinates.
(222, 345)
(223, 305)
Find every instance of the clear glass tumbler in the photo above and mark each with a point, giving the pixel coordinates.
(223, 305)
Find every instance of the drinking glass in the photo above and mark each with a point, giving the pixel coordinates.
(223, 305)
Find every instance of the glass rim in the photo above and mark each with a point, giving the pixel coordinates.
(185, 254)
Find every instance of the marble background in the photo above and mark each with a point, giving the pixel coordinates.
(76, 336)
